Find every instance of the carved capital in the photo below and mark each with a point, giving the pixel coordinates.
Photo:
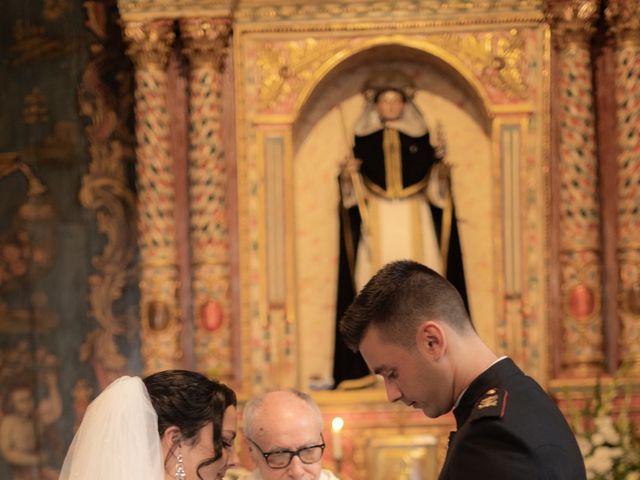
(206, 40)
(623, 17)
(149, 42)
(572, 21)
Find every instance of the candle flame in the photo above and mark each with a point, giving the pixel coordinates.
(336, 424)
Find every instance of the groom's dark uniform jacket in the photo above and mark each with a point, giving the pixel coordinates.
(510, 429)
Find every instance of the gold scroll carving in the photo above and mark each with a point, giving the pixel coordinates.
(573, 23)
(287, 67)
(205, 46)
(104, 190)
(497, 60)
(624, 19)
(150, 44)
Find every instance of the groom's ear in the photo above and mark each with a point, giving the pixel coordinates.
(431, 339)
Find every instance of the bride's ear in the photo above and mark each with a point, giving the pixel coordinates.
(170, 439)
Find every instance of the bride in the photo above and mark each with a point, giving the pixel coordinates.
(174, 424)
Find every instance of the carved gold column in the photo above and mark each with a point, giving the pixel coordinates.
(205, 44)
(582, 328)
(624, 19)
(150, 45)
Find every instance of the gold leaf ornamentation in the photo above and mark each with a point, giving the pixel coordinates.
(624, 18)
(287, 66)
(150, 42)
(497, 59)
(206, 40)
(105, 191)
(572, 21)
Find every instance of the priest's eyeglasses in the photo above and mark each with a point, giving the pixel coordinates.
(282, 458)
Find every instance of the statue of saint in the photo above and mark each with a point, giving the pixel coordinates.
(396, 203)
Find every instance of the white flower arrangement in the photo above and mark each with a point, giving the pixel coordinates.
(610, 444)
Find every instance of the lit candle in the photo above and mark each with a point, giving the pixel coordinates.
(416, 468)
(336, 425)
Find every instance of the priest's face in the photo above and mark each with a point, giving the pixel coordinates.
(410, 375)
(390, 105)
(284, 424)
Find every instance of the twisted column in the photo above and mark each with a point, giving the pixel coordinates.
(205, 45)
(624, 20)
(149, 47)
(580, 283)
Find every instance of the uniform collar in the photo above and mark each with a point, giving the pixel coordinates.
(492, 377)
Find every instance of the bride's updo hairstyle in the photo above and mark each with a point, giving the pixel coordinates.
(189, 401)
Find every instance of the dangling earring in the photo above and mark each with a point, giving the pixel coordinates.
(180, 473)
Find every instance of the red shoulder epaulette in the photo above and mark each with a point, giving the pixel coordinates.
(492, 404)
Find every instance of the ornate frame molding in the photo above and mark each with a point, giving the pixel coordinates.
(295, 60)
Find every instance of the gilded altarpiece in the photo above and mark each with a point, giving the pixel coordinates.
(497, 74)
(482, 81)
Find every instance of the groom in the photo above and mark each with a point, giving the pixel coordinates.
(412, 328)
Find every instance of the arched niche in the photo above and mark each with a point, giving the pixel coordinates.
(453, 103)
(343, 75)
(298, 95)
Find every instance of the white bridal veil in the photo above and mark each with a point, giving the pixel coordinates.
(118, 437)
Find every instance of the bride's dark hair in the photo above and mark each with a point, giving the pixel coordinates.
(189, 401)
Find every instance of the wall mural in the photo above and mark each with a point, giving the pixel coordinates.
(68, 300)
